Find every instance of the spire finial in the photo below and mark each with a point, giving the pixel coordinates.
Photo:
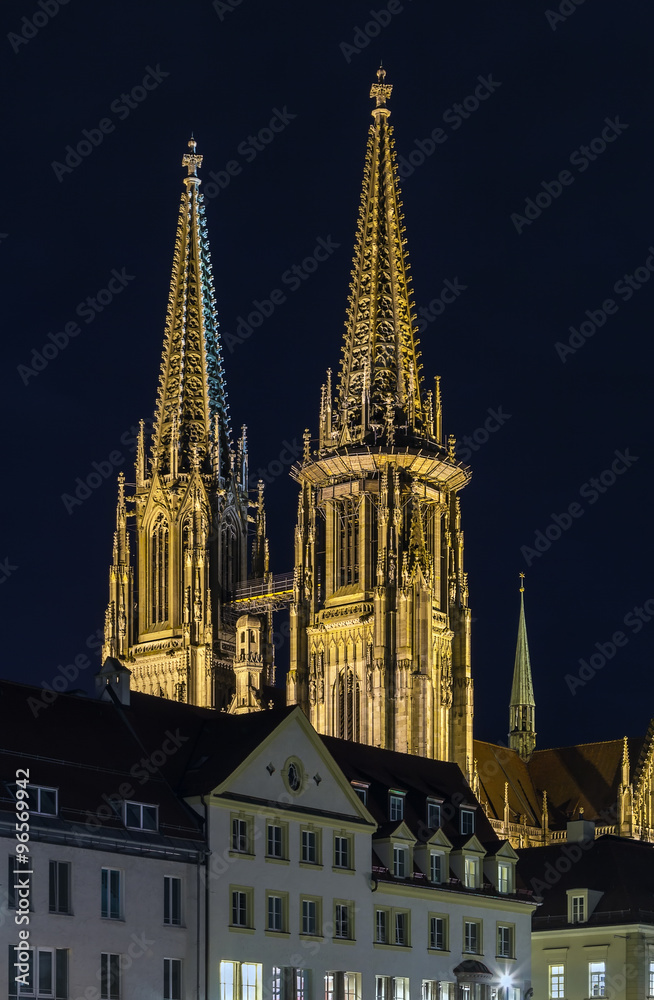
(381, 91)
(192, 160)
(522, 583)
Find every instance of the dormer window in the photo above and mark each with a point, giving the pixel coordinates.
(140, 816)
(471, 873)
(467, 821)
(396, 806)
(361, 788)
(503, 877)
(577, 910)
(400, 861)
(436, 866)
(42, 800)
(433, 815)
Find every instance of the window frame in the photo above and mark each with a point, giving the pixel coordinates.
(597, 978)
(343, 908)
(433, 805)
(34, 793)
(169, 991)
(141, 806)
(505, 940)
(471, 871)
(402, 917)
(466, 818)
(396, 806)
(477, 924)
(108, 915)
(55, 868)
(240, 835)
(283, 840)
(504, 877)
(433, 926)
(556, 992)
(169, 901)
(341, 839)
(437, 856)
(304, 852)
(400, 851)
(110, 979)
(283, 911)
(244, 902)
(306, 902)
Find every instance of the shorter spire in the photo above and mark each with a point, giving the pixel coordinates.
(522, 709)
(192, 161)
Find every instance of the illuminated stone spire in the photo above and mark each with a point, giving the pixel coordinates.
(192, 412)
(522, 710)
(380, 381)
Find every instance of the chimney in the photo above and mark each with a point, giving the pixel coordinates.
(580, 830)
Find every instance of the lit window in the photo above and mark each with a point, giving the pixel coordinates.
(467, 819)
(289, 983)
(513, 993)
(402, 928)
(172, 979)
(59, 887)
(503, 878)
(240, 838)
(275, 842)
(111, 901)
(596, 978)
(395, 807)
(400, 988)
(351, 986)
(651, 980)
(471, 937)
(471, 870)
(309, 847)
(139, 816)
(172, 900)
(382, 988)
(437, 933)
(436, 866)
(557, 982)
(109, 976)
(504, 941)
(433, 815)
(250, 981)
(400, 865)
(430, 989)
(578, 910)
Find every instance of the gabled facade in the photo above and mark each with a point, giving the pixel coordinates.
(380, 623)
(191, 506)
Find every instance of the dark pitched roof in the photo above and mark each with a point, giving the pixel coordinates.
(622, 869)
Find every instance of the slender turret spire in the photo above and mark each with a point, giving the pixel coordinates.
(192, 391)
(380, 370)
(522, 731)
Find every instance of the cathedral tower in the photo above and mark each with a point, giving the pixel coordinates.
(380, 624)
(522, 710)
(190, 505)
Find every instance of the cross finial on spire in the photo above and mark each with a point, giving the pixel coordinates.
(192, 160)
(381, 91)
(522, 583)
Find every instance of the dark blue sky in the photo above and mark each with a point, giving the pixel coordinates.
(527, 144)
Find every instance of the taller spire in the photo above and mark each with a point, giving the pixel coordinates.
(522, 710)
(192, 418)
(380, 386)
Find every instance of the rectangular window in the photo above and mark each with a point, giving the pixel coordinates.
(109, 976)
(436, 866)
(400, 988)
(504, 941)
(557, 982)
(341, 852)
(395, 807)
(172, 900)
(430, 989)
(330, 986)
(240, 838)
(310, 917)
(310, 847)
(351, 986)
(596, 978)
(59, 887)
(274, 841)
(467, 818)
(433, 815)
(239, 908)
(402, 928)
(513, 993)
(47, 975)
(437, 933)
(275, 913)
(140, 816)
(228, 981)
(503, 878)
(42, 800)
(382, 987)
(381, 926)
(250, 981)
(362, 792)
(447, 991)
(111, 902)
(172, 979)
(342, 920)
(471, 869)
(471, 937)
(650, 992)
(578, 910)
(400, 861)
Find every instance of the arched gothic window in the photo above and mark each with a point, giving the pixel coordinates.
(159, 571)
(348, 705)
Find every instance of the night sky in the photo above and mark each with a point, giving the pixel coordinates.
(532, 199)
